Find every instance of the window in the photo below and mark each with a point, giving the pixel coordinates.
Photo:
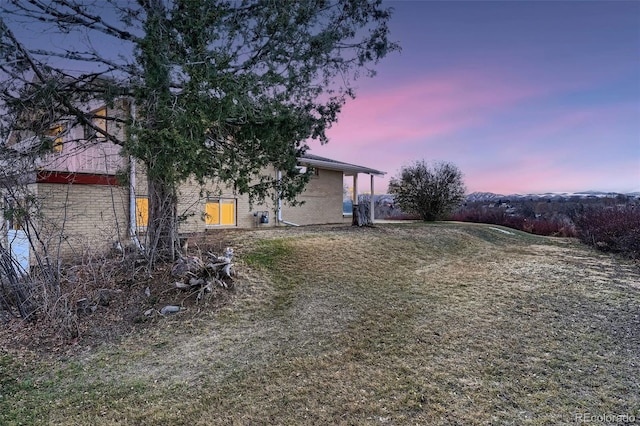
(220, 212)
(99, 120)
(142, 212)
(56, 133)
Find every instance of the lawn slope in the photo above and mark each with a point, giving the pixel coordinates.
(397, 324)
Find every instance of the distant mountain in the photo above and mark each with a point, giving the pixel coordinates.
(484, 196)
(490, 196)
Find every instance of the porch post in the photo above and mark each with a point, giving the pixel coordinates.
(354, 201)
(372, 212)
(354, 196)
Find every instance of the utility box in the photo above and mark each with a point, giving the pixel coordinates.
(262, 217)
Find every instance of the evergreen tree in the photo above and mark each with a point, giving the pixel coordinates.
(222, 89)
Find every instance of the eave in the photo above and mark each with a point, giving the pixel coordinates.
(329, 164)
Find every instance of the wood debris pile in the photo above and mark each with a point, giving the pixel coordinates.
(195, 274)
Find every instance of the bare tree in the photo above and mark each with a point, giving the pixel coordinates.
(22, 295)
(430, 192)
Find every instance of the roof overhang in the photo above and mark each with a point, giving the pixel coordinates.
(329, 164)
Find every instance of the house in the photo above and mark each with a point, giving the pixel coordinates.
(82, 207)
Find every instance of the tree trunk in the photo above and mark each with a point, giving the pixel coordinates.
(156, 103)
(163, 225)
(361, 215)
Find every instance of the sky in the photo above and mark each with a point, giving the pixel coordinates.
(522, 96)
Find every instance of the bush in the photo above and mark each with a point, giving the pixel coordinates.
(553, 227)
(611, 229)
(430, 192)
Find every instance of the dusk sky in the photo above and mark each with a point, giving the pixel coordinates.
(523, 96)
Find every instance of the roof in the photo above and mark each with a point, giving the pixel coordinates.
(328, 163)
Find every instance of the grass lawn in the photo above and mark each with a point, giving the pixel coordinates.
(399, 324)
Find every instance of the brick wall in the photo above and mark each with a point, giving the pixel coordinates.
(192, 200)
(89, 217)
(322, 204)
(322, 201)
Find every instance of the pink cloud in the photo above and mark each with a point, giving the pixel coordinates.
(425, 108)
(389, 127)
(383, 127)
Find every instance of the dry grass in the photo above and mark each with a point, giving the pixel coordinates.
(399, 324)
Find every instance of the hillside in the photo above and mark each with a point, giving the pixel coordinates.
(400, 324)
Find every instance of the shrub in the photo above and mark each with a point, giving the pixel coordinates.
(430, 192)
(611, 229)
(554, 226)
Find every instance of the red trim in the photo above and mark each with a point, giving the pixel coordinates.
(77, 178)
